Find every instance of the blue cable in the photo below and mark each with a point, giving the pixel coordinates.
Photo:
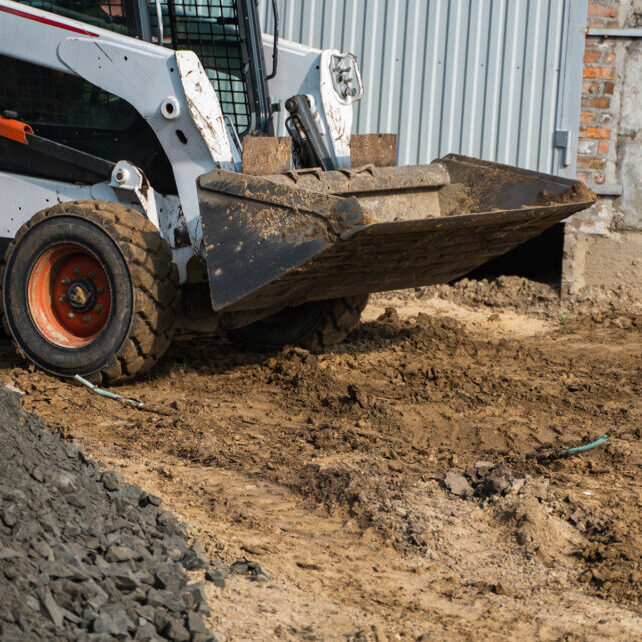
(106, 393)
(568, 452)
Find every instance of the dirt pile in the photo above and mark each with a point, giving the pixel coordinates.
(84, 556)
(603, 307)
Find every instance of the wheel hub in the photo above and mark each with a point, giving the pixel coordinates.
(69, 296)
(81, 294)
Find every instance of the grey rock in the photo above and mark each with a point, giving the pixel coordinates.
(195, 623)
(458, 485)
(121, 554)
(9, 515)
(217, 577)
(65, 482)
(112, 620)
(111, 481)
(195, 593)
(8, 553)
(51, 607)
(195, 558)
(146, 632)
(174, 630)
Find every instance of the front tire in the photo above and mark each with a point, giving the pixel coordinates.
(89, 288)
(315, 325)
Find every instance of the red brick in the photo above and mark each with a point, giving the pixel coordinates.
(609, 87)
(599, 72)
(599, 102)
(600, 10)
(590, 162)
(587, 117)
(612, 24)
(603, 148)
(582, 176)
(592, 56)
(600, 133)
(590, 87)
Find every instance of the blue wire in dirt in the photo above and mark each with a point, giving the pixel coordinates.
(582, 449)
(106, 393)
(568, 452)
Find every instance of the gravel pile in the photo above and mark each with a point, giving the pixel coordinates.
(84, 556)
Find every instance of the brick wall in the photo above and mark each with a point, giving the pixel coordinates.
(595, 136)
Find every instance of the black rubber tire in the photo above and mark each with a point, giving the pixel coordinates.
(316, 325)
(143, 280)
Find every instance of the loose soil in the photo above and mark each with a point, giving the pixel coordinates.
(329, 470)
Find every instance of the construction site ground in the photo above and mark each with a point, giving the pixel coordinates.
(338, 473)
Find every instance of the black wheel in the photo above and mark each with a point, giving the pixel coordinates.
(89, 288)
(315, 325)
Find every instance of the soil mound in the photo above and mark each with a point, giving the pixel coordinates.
(84, 556)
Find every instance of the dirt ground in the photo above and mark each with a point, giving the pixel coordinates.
(329, 469)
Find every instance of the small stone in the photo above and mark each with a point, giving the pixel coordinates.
(146, 632)
(111, 481)
(195, 558)
(112, 620)
(9, 516)
(64, 482)
(458, 485)
(38, 474)
(196, 593)
(7, 553)
(121, 554)
(195, 623)
(54, 611)
(535, 488)
(217, 577)
(170, 580)
(43, 549)
(239, 567)
(483, 468)
(175, 631)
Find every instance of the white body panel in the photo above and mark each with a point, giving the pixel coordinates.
(147, 76)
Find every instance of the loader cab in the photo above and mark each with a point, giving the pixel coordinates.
(226, 36)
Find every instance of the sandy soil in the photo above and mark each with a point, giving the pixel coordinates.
(329, 469)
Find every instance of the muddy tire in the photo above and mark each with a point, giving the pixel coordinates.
(89, 288)
(316, 325)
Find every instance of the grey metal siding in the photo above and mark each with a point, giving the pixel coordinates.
(479, 77)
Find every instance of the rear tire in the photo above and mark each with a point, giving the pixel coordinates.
(89, 288)
(315, 325)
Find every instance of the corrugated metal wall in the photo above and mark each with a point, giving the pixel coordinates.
(478, 77)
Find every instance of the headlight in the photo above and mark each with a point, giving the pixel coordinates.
(346, 77)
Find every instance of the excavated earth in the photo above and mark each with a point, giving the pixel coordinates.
(387, 489)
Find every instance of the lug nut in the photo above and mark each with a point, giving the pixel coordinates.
(98, 308)
(62, 298)
(100, 290)
(86, 318)
(71, 315)
(65, 281)
(92, 275)
(76, 270)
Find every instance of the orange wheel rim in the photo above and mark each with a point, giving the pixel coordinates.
(69, 296)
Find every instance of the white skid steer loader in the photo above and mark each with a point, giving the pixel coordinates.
(137, 157)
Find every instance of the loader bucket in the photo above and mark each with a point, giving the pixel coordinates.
(278, 241)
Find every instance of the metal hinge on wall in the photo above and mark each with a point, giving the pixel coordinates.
(562, 138)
